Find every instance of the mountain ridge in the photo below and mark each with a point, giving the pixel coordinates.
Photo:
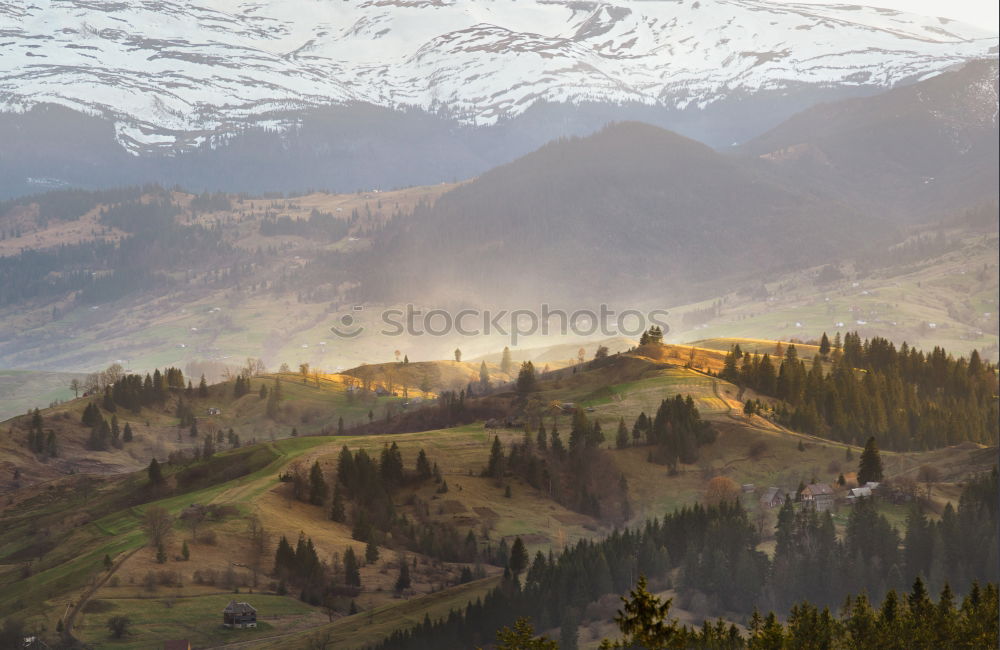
(173, 75)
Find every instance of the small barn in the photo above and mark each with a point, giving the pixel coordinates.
(239, 615)
(820, 495)
(856, 494)
(773, 497)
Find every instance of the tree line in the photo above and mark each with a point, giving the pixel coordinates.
(708, 553)
(903, 398)
(902, 620)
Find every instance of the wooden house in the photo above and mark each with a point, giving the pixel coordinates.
(239, 615)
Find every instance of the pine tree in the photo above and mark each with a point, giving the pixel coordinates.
(424, 471)
(824, 345)
(495, 467)
(273, 400)
(337, 512)
(352, 575)
(155, 473)
(870, 465)
(185, 551)
(403, 580)
(518, 557)
(526, 380)
(621, 438)
(484, 375)
(127, 433)
(202, 387)
(317, 485)
(371, 550)
(505, 362)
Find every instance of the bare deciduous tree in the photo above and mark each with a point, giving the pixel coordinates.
(257, 536)
(157, 523)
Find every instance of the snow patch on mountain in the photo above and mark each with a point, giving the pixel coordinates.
(172, 74)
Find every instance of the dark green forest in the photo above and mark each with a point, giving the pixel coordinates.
(905, 399)
(708, 555)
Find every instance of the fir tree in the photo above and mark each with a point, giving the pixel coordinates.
(317, 485)
(505, 362)
(518, 557)
(495, 467)
(424, 471)
(526, 380)
(337, 512)
(371, 550)
(403, 580)
(870, 464)
(155, 473)
(352, 575)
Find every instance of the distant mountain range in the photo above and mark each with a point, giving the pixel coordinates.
(907, 154)
(636, 210)
(361, 94)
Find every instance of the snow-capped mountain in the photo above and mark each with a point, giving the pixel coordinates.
(170, 74)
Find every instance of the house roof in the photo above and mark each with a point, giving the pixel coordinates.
(770, 493)
(239, 608)
(817, 489)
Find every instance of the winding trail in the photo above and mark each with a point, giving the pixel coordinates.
(88, 594)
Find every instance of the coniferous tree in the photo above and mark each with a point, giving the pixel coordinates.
(526, 380)
(337, 511)
(424, 471)
(371, 551)
(518, 557)
(317, 485)
(495, 467)
(202, 387)
(154, 472)
(352, 575)
(403, 580)
(870, 464)
(506, 365)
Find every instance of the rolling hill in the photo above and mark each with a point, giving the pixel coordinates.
(82, 518)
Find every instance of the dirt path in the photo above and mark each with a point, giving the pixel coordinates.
(89, 593)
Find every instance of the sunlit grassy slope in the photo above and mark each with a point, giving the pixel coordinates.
(80, 527)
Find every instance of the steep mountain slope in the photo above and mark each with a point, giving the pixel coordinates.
(631, 209)
(915, 151)
(363, 94)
